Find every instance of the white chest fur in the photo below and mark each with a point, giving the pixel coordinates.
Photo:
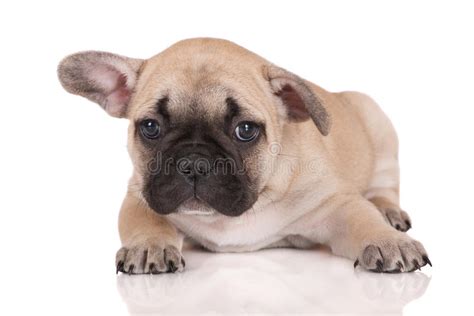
(265, 224)
(247, 232)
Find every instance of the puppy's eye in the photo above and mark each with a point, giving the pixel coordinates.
(150, 128)
(246, 131)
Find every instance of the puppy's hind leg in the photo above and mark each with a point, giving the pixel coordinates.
(383, 189)
(353, 228)
(393, 214)
(383, 192)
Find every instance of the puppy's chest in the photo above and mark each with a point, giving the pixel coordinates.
(244, 233)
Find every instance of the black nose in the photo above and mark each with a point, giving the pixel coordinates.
(193, 167)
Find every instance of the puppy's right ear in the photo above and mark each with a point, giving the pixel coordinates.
(299, 101)
(101, 77)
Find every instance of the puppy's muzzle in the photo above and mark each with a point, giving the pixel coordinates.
(194, 167)
(200, 172)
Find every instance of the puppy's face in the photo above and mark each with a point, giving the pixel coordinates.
(203, 114)
(195, 147)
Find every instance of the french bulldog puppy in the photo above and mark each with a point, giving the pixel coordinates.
(238, 154)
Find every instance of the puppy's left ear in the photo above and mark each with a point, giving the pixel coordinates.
(104, 78)
(299, 100)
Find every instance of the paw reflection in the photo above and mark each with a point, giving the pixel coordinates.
(270, 281)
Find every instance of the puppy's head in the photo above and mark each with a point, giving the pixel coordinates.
(202, 116)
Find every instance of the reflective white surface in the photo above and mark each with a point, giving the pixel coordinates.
(271, 281)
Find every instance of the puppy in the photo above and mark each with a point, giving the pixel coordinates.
(238, 154)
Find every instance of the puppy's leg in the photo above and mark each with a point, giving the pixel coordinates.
(383, 192)
(354, 228)
(383, 187)
(392, 212)
(150, 244)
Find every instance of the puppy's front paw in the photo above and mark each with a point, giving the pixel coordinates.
(392, 252)
(149, 258)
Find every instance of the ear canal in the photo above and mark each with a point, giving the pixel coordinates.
(300, 102)
(101, 77)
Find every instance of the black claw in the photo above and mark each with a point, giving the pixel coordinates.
(130, 270)
(400, 265)
(379, 264)
(183, 262)
(356, 263)
(151, 268)
(172, 268)
(119, 267)
(408, 224)
(398, 227)
(427, 260)
(416, 264)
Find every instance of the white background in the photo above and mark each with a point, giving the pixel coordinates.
(64, 165)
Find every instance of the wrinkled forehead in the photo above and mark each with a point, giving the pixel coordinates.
(207, 102)
(205, 93)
